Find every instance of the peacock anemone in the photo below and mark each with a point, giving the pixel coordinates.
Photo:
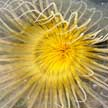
(53, 54)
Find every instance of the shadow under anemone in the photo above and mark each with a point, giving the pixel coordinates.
(53, 54)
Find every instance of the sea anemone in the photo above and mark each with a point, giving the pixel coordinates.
(53, 54)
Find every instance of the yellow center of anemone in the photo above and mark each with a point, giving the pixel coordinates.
(55, 54)
(55, 51)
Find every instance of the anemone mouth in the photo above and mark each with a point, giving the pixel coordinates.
(50, 55)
